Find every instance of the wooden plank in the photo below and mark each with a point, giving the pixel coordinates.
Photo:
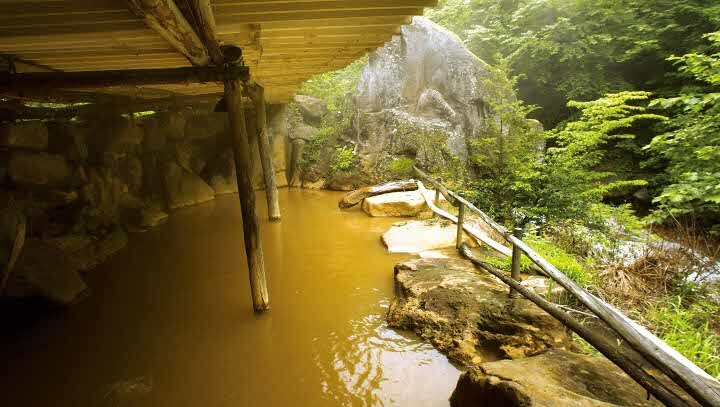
(99, 79)
(233, 7)
(243, 168)
(307, 16)
(165, 18)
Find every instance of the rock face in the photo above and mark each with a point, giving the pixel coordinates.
(183, 188)
(408, 204)
(33, 136)
(419, 236)
(555, 378)
(38, 169)
(467, 314)
(411, 103)
(312, 109)
(82, 184)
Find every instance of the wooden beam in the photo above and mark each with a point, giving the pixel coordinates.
(257, 94)
(243, 168)
(100, 79)
(165, 18)
(204, 21)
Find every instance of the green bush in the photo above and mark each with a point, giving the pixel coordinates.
(401, 167)
(344, 160)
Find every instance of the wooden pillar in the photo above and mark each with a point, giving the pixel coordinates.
(515, 266)
(461, 219)
(257, 94)
(243, 169)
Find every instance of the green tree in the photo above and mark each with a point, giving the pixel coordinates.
(691, 147)
(570, 183)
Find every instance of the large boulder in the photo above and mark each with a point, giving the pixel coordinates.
(38, 169)
(420, 236)
(468, 315)
(409, 81)
(30, 135)
(85, 251)
(555, 378)
(407, 204)
(312, 109)
(45, 271)
(183, 188)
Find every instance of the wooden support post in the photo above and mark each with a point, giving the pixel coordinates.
(461, 219)
(257, 94)
(515, 267)
(243, 169)
(437, 197)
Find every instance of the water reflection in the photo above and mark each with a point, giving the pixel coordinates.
(379, 366)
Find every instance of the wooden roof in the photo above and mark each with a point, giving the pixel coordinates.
(285, 42)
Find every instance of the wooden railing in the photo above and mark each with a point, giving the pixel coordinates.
(698, 384)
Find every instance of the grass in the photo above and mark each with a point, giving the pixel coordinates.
(688, 329)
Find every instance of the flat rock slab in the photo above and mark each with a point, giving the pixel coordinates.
(419, 236)
(555, 378)
(467, 314)
(400, 204)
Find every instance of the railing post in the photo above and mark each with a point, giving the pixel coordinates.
(515, 268)
(461, 218)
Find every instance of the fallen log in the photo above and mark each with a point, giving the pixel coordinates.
(355, 197)
(479, 235)
(609, 350)
(682, 371)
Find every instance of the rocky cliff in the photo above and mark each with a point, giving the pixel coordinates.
(420, 98)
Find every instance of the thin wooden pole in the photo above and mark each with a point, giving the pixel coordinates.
(461, 219)
(515, 267)
(650, 383)
(18, 244)
(243, 168)
(257, 94)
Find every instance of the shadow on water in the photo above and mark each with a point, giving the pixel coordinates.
(170, 323)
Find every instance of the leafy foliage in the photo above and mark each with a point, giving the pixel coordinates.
(691, 147)
(344, 160)
(334, 87)
(582, 49)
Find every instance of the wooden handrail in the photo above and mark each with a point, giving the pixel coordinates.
(437, 185)
(650, 383)
(674, 365)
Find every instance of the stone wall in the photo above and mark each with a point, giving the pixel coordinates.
(82, 185)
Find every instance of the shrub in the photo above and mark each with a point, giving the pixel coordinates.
(401, 167)
(344, 160)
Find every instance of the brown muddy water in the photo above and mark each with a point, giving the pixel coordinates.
(170, 322)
